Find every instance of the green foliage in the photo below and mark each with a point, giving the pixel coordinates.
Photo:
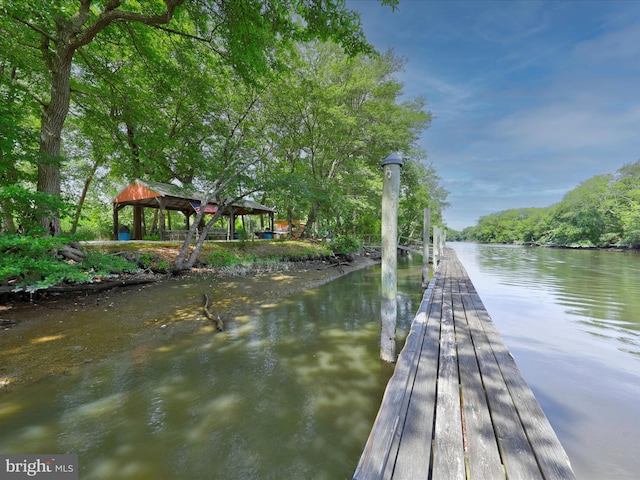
(150, 91)
(602, 211)
(345, 244)
(336, 119)
(31, 263)
(153, 262)
(224, 258)
(98, 263)
(146, 259)
(247, 253)
(252, 109)
(454, 235)
(420, 189)
(242, 233)
(27, 207)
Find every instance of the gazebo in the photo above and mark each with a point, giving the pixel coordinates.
(163, 196)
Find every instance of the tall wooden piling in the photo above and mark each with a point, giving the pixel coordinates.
(389, 306)
(425, 246)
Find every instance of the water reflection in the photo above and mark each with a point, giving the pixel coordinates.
(600, 288)
(290, 392)
(572, 320)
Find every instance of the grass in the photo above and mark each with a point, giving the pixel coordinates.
(221, 254)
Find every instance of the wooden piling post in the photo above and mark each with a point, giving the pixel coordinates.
(436, 247)
(389, 304)
(426, 229)
(439, 239)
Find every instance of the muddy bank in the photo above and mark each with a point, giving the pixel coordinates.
(58, 334)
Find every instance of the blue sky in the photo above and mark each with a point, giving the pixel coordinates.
(529, 98)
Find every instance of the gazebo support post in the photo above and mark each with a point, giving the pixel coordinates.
(138, 213)
(163, 224)
(115, 221)
(232, 223)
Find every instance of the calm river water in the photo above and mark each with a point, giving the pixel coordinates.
(290, 393)
(571, 318)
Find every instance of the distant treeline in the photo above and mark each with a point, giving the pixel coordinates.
(603, 211)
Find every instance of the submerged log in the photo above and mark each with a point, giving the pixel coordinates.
(217, 320)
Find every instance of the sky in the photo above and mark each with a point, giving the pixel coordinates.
(529, 98)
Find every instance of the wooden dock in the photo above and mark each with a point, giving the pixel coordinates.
(457, 406)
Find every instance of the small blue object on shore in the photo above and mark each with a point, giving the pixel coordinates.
(124, 233)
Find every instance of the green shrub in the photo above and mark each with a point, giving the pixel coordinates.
(104, 264)
(30, 263)
(146, 259)
(345, 244)
(223, 258)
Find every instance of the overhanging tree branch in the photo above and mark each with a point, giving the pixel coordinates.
(113, 15)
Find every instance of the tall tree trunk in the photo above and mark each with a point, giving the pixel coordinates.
(311, 219)
(83, 195)
(203, 236)
(182, 255)
(72, 34)
(53, 117)
(8, 225)
(184, 263)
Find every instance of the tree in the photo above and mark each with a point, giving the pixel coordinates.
(237, 146)
(338, 118)
(585, 216)
(603, 210)
(17, 157)
(244, 32)
(420, 189)
(626, 190)
(56, 35)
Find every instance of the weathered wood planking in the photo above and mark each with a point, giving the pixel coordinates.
(457, 406)
(482, 446)
(551, 457)
(448, 448)
(414, 450)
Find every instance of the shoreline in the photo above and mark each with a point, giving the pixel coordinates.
(559, 246)
(59, 334)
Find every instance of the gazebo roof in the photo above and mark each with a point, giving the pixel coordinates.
(148, 194)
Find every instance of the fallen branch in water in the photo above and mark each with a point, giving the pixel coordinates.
(336, 262)
(339, 264)
(216, 319)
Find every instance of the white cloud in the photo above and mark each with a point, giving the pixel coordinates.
(612, 48)
(529, 98)
(571, 126)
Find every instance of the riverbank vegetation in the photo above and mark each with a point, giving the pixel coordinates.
(31, 264)
(603, 211)
(285, 104)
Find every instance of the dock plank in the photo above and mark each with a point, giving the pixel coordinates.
(517, 455)
(374, 463)
(482, 448)
(551, 458)
(448, 448)
(457, 406)
(414, 447)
